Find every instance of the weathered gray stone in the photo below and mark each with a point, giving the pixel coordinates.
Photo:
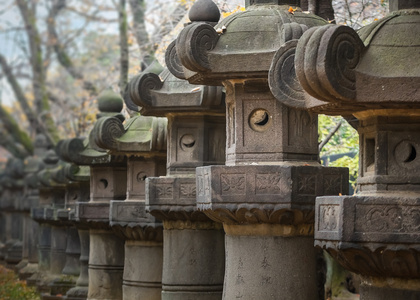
(403, 4)
(265, 194)
(192, 269)
(30, 252)
(13, 212)
(374, 75)
(108, 180)
(52, 231)
(204, 10)
(143, 141)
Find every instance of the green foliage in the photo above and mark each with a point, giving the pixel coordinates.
(345, 140)
(11, 288)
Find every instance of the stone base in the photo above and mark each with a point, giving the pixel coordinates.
(265, 267)
(34, 279)
(62, 284)
(29, 270)
(77, 293)
(193, 264)
(22, 264)
(14, 255)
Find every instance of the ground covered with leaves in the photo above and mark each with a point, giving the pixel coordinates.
(11, 288)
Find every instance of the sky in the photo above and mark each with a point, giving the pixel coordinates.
(11, 29)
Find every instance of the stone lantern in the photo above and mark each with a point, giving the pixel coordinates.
(108, 182)
(65, 246)
(52, 237)
(32, 165)
(77, 190)
(74, 274)
(13, 212)
(265, 194)
(143, 141)
(373, 74)
(193, 245)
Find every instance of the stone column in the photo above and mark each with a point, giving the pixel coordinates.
(108, 175)
(53, 184)
(265, 194)
(15, 213)
(374, 75)
(193, 245)
(7, 208)
(77, 251)
(30, 253)
(143, 141)
(51, 197)
(75, 191)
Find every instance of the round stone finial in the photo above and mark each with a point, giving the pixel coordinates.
(41, 142)
(204, 11)
(110, 102)
(51, 157)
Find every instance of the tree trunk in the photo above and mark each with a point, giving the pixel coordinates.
(138, 8)
(20, 96)
(62, 56)
(38, 75)
(12, 130)
(124, 59)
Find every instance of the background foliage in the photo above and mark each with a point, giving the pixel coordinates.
(11, 288)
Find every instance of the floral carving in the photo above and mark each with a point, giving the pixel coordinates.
(188, 190)
(387, 218)
(138, 212)
(129, 212)
(164, 192)
(268, 183)
(332, 185)
(307, 185)
(328, 217)
(233, 184)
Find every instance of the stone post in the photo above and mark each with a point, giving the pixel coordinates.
(15, 212)
(108, 175)
(193, 245)
(77, 190)
(51, 239)
(373, 74)
(32, 166)
(265, 194)
(143, 141)
(53, 183)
